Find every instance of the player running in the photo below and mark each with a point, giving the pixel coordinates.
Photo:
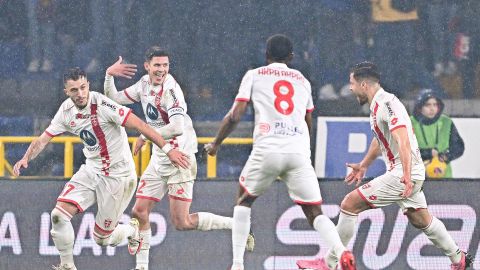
(166, 111)
(108, 178)
(402, 183)
(283, 106)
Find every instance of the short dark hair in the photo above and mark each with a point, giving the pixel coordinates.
(365, 70)
(155, 51)
(279, 47)
(73, 74)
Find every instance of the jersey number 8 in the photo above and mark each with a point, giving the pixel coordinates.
(283, 101)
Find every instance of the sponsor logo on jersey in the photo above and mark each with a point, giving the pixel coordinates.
(175, 100)
(82, 116)
(72, 124)
(390, 111)
(152, 112)
(111, 106)
(264, 128)
(286, 129)
(88, 137)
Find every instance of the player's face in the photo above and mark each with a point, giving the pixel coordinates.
(359, 89)
(430, 109)
(157, 69)
(78, 91)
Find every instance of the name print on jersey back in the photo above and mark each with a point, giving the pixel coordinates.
(281, 97)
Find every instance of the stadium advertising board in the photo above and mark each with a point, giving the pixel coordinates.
(384, 240)
(346, 139)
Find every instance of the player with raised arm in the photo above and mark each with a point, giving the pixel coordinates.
(402, 183)
(165, 109)
(283, 105)
(108, 178)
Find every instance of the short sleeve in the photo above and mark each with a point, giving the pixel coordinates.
(113, 111)
(57, 125)
(134, 92)
(395, 115)
(245, 90)
(175, 101)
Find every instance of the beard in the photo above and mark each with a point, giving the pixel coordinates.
(363, 99)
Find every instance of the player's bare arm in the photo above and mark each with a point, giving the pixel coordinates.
(176, 157)
(229, 122)
(119, 69)
(173, 129)
(400, 136)
(359, 169)
(308, 119)
(35, 148)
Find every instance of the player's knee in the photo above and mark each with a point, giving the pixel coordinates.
(58, 216)
(140, 213)
(345, 205)
(417, 221)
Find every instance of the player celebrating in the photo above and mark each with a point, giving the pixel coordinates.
(108, 177)
(283, 106)
(166, 111)
(403, 181)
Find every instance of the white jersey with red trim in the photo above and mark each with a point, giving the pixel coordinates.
(281, 97)
(100, 126)
(387, 113)
(159, 104)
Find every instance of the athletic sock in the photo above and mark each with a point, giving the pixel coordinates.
(240, 230)
(63, 235)
(142, 256)
(208, 221)
(439, 236)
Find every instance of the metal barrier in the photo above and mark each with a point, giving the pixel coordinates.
(141, 160)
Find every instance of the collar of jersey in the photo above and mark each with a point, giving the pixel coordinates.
(276, 64)
(375, 97)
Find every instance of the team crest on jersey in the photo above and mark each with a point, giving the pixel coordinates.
(72, 124)
(107, 223)
(152, 112)
(88, 137)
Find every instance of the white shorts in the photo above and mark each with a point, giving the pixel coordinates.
(112, 195)
(160, 178)
(296, 170)
(387, 189)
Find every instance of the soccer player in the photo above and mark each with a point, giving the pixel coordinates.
(283, 106)
(403, 181)
(108, 177)
(166, 111)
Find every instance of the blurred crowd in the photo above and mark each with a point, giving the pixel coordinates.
(417, 44)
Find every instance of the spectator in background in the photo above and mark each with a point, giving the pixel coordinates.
(109, 34)
(467, 45)
(437, 136)
(440, 14)
(41, 33)
(71, 25)
(12, 26)
(394, 42)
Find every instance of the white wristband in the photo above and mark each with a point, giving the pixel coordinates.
(166, 148)
(143, 137)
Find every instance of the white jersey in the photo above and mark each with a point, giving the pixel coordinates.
(387, 113)
(281, 97)
(100, 126)
(159, 104)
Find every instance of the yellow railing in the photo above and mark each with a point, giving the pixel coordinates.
(141, 161)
